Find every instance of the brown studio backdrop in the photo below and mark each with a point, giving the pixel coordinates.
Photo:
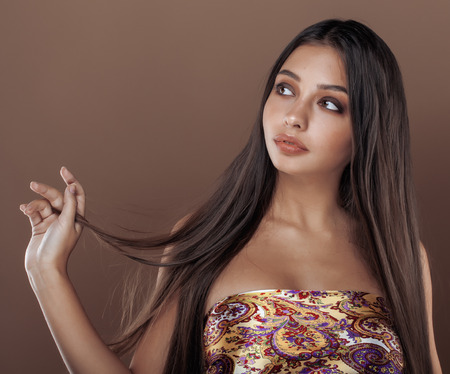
(147, 102)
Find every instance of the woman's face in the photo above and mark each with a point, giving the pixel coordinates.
(306, 119)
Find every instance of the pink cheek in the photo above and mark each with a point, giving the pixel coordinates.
(270, 109)
(270, 123)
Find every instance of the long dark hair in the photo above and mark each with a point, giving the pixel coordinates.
(376, 189)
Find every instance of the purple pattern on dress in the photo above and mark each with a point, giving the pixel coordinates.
(278, 331)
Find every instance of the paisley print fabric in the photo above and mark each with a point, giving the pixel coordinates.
(281, 331)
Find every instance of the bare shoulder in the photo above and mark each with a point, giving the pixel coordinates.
(428, 288)
(178, 225)
(181, 222)
(424, 256)
(426, 274)
(152, 350)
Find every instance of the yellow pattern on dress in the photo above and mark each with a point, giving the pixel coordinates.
(283, 331)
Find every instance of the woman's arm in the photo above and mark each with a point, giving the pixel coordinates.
(80, 346)
(151, 352)
(53, 239)
(429, 305)
(157, 337)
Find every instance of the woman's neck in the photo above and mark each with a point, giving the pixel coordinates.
(309, 204)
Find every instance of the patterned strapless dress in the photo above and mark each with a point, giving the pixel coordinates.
(281, 331)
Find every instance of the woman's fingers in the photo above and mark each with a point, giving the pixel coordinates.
(54, 196)
(41, 214)
(70, 207)
(70, 180)
(34, 217)
(37, 211)
(69, 203)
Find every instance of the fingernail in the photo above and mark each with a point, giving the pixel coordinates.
(22, 207)
(72, 189)
(33, 185)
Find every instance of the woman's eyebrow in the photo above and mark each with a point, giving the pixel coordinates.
(332, 87)
(290, 74)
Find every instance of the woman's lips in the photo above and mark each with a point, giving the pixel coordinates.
(289, 144)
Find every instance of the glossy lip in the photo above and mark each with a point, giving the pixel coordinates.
(291, 139)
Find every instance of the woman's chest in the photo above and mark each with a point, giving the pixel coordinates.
(286, 260)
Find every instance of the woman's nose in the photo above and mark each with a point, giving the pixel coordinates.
(297, 116)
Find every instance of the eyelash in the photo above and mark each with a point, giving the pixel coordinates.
(281, 85)
(321, 101)
(334, 102)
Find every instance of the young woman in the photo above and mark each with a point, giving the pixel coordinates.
(307, 257)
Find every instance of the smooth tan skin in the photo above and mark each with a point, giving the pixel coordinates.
(304, 241)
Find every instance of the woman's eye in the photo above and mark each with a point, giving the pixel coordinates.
(281, 89)
(328, 104)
